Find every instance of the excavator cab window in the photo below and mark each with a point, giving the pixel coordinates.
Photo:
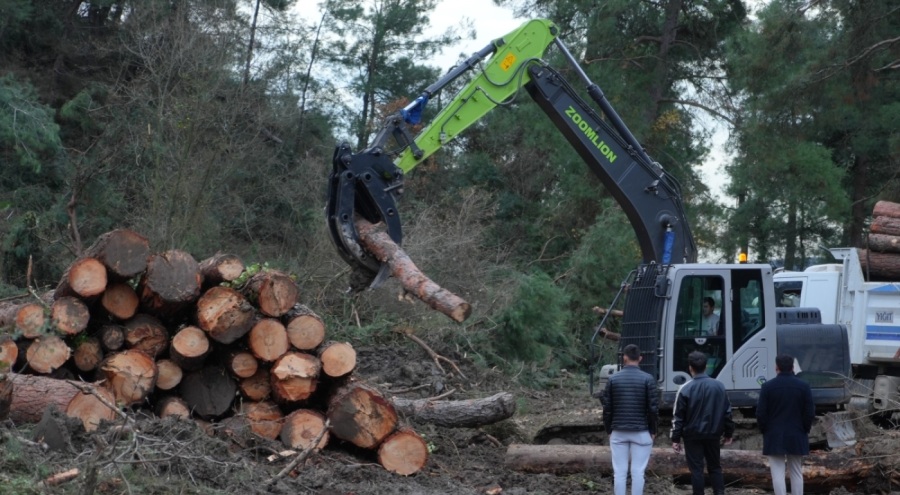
(700, 322)
(747, 305)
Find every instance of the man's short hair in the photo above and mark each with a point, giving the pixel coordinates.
(697, 361)
(632, 352)
(784, 362)
(710, 301)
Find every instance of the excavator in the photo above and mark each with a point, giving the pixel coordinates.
(661, 298)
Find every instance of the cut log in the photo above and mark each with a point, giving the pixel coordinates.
(9, 353)
(338, 359)
(886, 209)
(123, 252)
(265, 418)
(85, 278)
(90, 409)
(87, 355)
(46, 354)
(220, 268)
(294, 377)
(6, 395)
(379, 243)
(147, 334)
(302, 427)
(458, 413)
(120, 301)
(31, 320)
(69, 315)
(130, 374)
(403, 452)
(361, 415)
(169, 374)
(274, 293)
(884, 243)
(190, 346)
(241, 364)
(268, 340)
(33, 394)
(171, 283)
(172, 406)
(209, 392)
(225, 314)
(305, 329)
(880, 266)
(112, 337)
(257, 387)
(885, 225)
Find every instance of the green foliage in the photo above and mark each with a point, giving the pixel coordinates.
(536, 323)
(28, 133)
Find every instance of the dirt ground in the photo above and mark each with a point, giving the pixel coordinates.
(172, 456)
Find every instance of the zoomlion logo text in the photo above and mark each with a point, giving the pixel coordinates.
(591, 134)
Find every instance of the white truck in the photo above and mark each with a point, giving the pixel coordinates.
(870, 311)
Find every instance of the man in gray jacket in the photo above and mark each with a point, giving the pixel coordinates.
(630, 415)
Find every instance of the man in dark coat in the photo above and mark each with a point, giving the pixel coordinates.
(785, 413)
(702, 420)
(630, 415)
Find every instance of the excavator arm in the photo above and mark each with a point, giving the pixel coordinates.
(369, 182)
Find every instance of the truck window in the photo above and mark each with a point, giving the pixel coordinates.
(748, 307)
(787, 294)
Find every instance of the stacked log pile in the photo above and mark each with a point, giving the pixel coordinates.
(206, 340)
(882, 258)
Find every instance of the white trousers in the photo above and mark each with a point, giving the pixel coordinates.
(794, 467)
(633, 446)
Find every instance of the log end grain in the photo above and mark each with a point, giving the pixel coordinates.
(338, 359)
(302, 427)
(90, 409)
(404, 452)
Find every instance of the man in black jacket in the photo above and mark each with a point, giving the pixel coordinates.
(785, 413)
(630, 414)
(702, 420)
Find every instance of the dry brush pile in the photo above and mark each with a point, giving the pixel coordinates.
(210, 341)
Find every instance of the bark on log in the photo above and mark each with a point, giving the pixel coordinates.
(885, 225)
(123, 252)
(90, 409)
(147, 334)
(839, 467)
(225, 314)
(171, 282)
(46, 354)
(458, 413)
(886, 209)
(294, 377)
(130, 374)
(189, 349)
(85, 278)
(169, 374)
(275, 293)
(69, 315)
(30, 320)
(403, 452)
(241, 364)
(221, 268)
(883, 243)
(305, 328)
(379, 243)
(361, 415)
(209, 392)
(880, 266)
(33, 394)
(87, 355)
(301, 428)
(264, 418)
(338, 359)
(120, 301)
(9, 353)
(268, 340)
(6, 395)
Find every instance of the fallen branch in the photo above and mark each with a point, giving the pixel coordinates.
(379, 243)
(60, 478)
(434, 356)
(301, 456)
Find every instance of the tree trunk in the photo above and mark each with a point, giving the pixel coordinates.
(338, 359)
(46, 354)
(123, 252)
(221, 268)
(268, 340)
(225, 314)
(190, 347)
(305, 329)
(361, 415)
(86, 278)
(404, 452)
(410, 277)
(147, 334)
(880, 266)
(69, 315)
(294, 377)
(886, 209)
(131, 375)
(265, 418)
(274, 292)
(883, 243)
(90, 409)
(209, 392)
(32, 394)
(301, 428)
(88, 355)
(885, 225)
(30, 320)
(172, 282)
(120, 301)
(169, 374)
(458, 413)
